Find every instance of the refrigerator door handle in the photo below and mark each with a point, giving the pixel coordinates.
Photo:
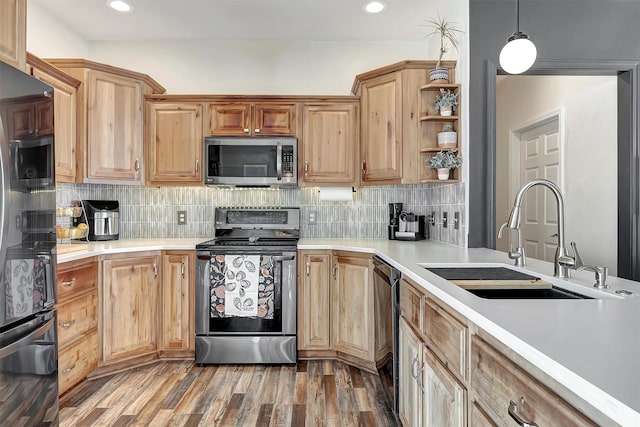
(27, 339)
(5, 180)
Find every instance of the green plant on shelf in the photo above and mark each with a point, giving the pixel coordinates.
(445, 99)
(449, 159)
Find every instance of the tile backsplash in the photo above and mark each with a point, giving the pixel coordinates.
(152, 212)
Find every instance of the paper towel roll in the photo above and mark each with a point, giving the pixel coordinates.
(336, 193)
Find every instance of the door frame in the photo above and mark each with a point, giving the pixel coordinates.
(482, 170)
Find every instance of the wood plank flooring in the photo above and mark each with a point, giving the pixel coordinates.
(313, 393)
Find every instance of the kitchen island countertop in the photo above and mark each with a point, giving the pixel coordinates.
(591, 347)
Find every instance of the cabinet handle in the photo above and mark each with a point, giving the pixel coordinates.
(413, 364)
(155, 271)
(335, 271)
(364, 168)
(197, 166)
(68, 325)
(256, 130)
(246, 130)
(182, 270)
(69, 282)
(306, 167)
(308, 269)
(419, 378)
(69, 369)
(137, 165)
(513, 412)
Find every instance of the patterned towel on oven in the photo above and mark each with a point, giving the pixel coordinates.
(241, 285)
(24, 285)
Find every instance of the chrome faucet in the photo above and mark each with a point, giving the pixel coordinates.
(562, 261)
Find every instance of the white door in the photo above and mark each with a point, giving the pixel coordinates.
(540, 157)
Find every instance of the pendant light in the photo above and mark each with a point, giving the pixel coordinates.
(519, 54)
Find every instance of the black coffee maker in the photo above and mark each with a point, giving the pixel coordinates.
(394, 219)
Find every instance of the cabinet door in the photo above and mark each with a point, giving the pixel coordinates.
(177, 312)
(313, 302)
(22, 121)
(13, 32)
(352, 307)
(444, 399)
(274, 119)
(64, 119)
(381, 143)
(229, 119)
(174, 143)
(409, 363)
(114, 127)
(129, 313)
(330, 143)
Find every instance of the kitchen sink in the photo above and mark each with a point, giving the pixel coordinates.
(497, 281)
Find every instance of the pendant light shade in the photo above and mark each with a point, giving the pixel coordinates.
(519, 54)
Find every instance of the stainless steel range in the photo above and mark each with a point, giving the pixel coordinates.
(246, 287)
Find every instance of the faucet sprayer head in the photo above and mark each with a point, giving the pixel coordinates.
(514, 218)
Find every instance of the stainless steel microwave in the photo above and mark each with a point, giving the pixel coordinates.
(251, 161)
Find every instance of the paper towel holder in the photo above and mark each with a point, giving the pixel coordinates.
(336, 193)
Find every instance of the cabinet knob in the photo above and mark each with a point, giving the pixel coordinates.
(308, 269)
(155, 271)
(137, 166)
(68, 282)
(197, 166)
(364, 168)
(69, 369)
(67, 325)
(306, 167)
(335, 271)
(515, 414)
(182, 270)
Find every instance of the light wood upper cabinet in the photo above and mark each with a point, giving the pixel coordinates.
(330, 140)
(391, 135)
(13, 32)
(352, 298)
(110, 120)
(64, 115)
(248, 118)
(177, 333)
(130, 291)
(381, 144)
(314, 315)
(174, 143)
(27, 119)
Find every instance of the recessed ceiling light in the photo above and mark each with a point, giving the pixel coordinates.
(119, 5)
(374, 7)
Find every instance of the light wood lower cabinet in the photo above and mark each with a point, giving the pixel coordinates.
(444, 399)
(410, 362)
(177, 333)
(130, 289)
(336, 309)
(77, 321)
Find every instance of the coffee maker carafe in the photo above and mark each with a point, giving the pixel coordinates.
(394, 219)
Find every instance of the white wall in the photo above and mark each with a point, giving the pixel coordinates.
(589, 105)
(48, 38)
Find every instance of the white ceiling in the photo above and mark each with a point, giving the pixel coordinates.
(289, 20)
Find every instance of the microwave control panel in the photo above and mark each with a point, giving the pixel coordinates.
(287, 161)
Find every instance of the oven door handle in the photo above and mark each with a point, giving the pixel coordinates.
(283, 257)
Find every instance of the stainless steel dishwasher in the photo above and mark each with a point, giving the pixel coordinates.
(385, 275)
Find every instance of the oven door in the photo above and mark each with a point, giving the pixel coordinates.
(246, 291)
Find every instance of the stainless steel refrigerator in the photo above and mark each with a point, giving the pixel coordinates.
(28, 339)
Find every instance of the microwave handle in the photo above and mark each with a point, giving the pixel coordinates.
(279, 161)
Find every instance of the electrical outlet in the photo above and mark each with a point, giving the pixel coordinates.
(312, 217)
(182, 217)
(445, 219)
(456, 220)
(432, 218)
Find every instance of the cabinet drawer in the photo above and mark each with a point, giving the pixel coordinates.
(76, 317)
(410, 303)
(77, 360)
(496, 381)
(77, 277)
(446, 336)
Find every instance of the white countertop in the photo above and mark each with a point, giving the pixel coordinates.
(592, 347)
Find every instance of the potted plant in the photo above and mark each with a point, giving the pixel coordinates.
(444, 161)
(447, 137)
(446, 102)
(448, 35)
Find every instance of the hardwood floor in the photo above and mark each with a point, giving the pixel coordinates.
(313, 393)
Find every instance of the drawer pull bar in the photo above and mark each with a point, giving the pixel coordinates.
(69, 369)
(69, 282)
(513, 412)
(68, 325)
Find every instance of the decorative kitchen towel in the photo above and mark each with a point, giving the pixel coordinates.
(24, 284)
(242, 285)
